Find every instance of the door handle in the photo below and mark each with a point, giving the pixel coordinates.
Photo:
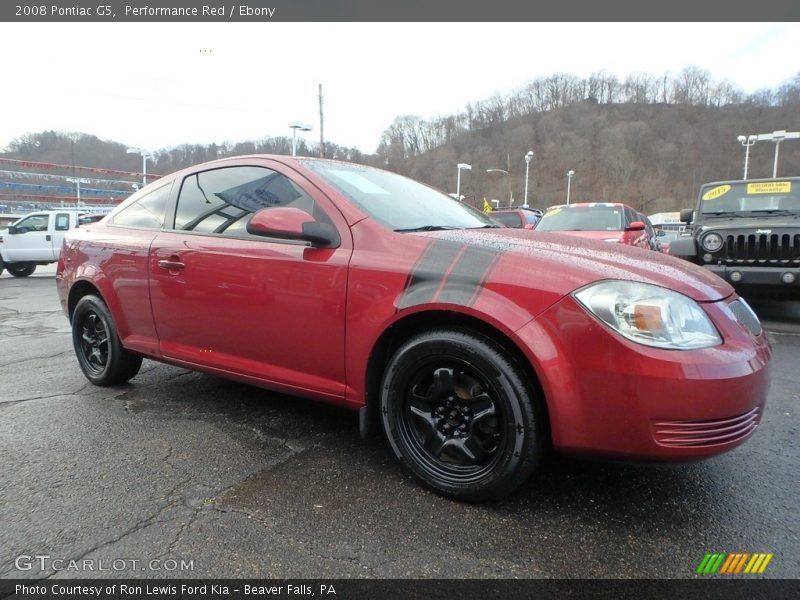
(48, 237)
(171, 265)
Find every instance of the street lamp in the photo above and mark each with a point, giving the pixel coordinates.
(528, 159)
(778, 137)
(78, 181)
(295, 125)
(461, 167)
(570, 174)
(508, 181)
(747, 141)
(145, 156)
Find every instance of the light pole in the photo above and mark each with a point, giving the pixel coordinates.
(528, 159)
(570, 174)
(778, 137)
(78, 181)
(747, 141)
(295, 125)
(508, 182)
(461, 167)
(145, 156)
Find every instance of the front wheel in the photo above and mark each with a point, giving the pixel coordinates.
(458, 414)
(23, 270)
(100, 353)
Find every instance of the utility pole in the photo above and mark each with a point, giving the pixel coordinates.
(321, 134)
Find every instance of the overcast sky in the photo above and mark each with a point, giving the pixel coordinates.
(156, 85)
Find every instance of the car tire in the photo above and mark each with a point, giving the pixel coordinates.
(24, 270)
(458, 414)
(100, 354)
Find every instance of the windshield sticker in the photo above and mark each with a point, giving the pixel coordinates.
(358, 181)
(716, 192)
(773, 187)
(551, 213)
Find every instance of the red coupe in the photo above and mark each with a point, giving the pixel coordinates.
(474, 347)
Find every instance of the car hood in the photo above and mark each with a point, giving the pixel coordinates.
(562, 263)
(591, 235)
(762, 222)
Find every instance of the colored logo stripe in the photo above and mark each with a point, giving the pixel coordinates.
(733, 563)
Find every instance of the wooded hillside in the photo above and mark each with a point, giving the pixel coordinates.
(648, 141)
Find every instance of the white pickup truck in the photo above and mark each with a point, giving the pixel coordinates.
(36, 239)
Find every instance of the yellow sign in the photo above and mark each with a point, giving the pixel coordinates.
(716, 192)
(550, 213)
(487, 208)
(773, 187)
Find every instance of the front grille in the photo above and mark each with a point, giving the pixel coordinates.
(745, 315)
(701, 434)
(761, 248)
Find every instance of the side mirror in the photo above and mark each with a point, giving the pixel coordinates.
(635, 226)
(661, 233)
(12, 230)
(290, 223)
(687, 215)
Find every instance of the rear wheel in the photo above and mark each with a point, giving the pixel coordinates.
(459, 416)
(23, 270)
(100, 353)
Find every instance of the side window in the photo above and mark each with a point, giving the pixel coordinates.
(33, 223)
(62, 222)
(147, 212)
(221, 200)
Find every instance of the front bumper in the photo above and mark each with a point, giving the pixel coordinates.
(609, 396)
(752, 275)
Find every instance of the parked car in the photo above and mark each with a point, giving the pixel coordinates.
(748, 233)
(519, 217)
(34, 239)
(602, 221)
(475, 348)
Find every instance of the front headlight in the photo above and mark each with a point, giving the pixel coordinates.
(650, 315)
(712, 242)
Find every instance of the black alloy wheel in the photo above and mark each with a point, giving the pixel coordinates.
(458, 414)
(100, 354)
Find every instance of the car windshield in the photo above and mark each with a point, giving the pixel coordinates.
(509, 219)
(396, 201)
(581, 218)
(754, 196)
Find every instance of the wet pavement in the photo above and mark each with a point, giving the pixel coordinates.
(233, 481)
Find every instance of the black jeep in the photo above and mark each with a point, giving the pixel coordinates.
(748, 233)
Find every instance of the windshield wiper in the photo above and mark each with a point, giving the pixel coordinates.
(723, 213)
(774, 211)
(428, 228)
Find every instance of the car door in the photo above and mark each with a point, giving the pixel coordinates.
(269, 310)
(62, 222)
(33, 240)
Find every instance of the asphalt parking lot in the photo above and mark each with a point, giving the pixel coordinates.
(234, 481)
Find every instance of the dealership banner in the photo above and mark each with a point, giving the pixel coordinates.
(389, 589)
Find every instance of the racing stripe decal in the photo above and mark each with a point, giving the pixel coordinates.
(467, 278)
(427, 275)
(448, 272)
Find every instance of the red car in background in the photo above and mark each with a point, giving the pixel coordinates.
(475, 348)
(602, 221)
(521, 217)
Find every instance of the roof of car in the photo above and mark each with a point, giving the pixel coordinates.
(508, 208)
(588, 204)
